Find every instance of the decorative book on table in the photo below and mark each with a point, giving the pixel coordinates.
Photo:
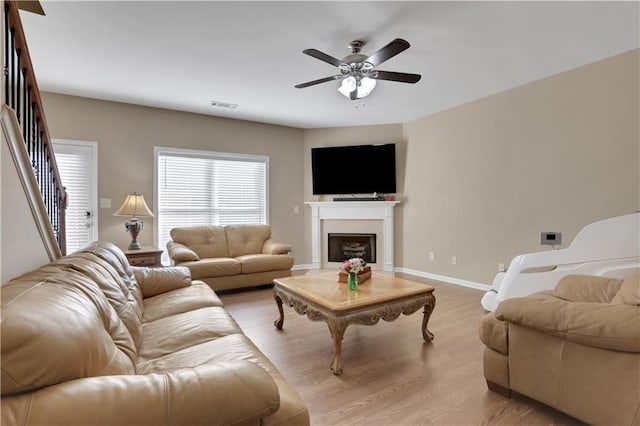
(363, 275)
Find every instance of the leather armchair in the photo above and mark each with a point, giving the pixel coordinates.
(575, 348)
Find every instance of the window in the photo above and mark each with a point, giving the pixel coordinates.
(208, 188)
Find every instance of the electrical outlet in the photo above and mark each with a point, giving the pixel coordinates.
(432, 256)
(296, 209)
(454, 260)
(105, 203)
(501, 267)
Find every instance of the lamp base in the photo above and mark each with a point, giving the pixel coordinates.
(135, 245)
(134, 226)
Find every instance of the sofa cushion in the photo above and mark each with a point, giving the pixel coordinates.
(114, 288)
(629, 293)
(246, 239)
(154, 281)
(197, 295)
(176, 332)
(587, 288)
(602, 325)
(232, 348)
(116, 258)
(252, 263)
(58, 330)
(205, 241)
(213, 267)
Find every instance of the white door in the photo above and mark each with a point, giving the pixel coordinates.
(77, 164)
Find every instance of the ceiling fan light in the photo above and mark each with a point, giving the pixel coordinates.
(347, 86)
(366, 86)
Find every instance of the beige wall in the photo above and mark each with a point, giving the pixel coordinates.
(126, 135)
(482, 180)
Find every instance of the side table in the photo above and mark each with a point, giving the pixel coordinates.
(146, 256)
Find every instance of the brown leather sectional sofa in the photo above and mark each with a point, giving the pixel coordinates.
(89, 340)
(232, 256)
(575, 348)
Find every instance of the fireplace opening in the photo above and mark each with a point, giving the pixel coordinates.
(345, 246)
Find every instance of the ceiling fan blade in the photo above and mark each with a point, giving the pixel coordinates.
(33, 6)
(402, 77)
(389, 51)
(324, 57)
(318, 81)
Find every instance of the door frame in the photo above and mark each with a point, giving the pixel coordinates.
(93, 147)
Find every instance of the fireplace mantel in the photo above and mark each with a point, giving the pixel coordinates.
(352, 210)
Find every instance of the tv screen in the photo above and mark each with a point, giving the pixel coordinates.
(358, 169)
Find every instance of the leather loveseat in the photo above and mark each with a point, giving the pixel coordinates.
(89, 340)
(232, 256)
(575, 348)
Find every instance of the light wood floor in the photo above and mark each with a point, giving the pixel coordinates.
(391, 376)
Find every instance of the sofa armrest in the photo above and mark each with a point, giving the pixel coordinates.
(494, 333)
(273, 247)
(154, 281)
(602, 325)
(180, 253)
(587, 288)
(226, 393)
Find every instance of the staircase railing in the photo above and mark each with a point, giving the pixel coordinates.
(23, 97)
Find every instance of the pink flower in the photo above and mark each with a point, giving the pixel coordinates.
(354, 265)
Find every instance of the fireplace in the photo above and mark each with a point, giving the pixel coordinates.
(352, 217)
(345, 246)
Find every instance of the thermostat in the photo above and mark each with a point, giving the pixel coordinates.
(551, 238)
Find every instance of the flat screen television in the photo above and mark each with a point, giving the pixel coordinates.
(358, 169)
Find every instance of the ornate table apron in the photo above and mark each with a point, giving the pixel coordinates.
(365, 315)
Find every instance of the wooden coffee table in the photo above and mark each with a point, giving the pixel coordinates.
(322, 298)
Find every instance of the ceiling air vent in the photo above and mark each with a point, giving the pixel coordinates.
(219, 104)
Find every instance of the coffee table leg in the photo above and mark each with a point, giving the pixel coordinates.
(336, 328)
(428, 309)
(280, 321)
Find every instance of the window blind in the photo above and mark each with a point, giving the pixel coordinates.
(207, 188)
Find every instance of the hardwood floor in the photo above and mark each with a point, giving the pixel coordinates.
(391, 376)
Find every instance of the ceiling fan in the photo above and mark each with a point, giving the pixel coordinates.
(358, 72)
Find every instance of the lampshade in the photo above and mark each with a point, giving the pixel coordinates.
(364, 88)
(134, 206)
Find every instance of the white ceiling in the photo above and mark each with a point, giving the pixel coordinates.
(182, 55)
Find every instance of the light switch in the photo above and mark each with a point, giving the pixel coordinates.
(105, 203)
(296, 209)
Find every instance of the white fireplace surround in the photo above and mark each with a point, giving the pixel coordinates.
(352, 210)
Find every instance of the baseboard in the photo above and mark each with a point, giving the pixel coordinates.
(300, 267)
(443, 278)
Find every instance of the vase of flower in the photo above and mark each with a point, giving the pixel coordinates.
(352, 281)
(352, 267)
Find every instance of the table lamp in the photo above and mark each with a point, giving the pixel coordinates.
(134, 206)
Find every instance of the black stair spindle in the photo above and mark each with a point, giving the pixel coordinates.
(27, 118)
(12, 68)
(18, 84)
(6, 51)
